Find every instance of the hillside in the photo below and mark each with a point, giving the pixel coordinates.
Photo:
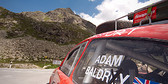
(61, 15)
(29, 36)
(61, 31)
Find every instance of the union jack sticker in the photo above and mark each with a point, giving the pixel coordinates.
(143, 81)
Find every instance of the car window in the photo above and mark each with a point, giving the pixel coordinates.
(72, 58)
(111, 61)
(148, 72)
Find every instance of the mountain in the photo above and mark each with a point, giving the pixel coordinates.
(61, 15)
(33, 35)
(61, 25)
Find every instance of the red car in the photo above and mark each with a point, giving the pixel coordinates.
(137, 55)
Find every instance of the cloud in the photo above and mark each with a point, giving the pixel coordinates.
(112, 9)
(94, 20)
(92, 0)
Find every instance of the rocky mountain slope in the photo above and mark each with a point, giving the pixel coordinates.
(61, 15)
(29, 36)
(28, 48)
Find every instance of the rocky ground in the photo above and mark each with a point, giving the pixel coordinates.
(30, 49)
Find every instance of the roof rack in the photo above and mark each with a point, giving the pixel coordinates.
(119, 19)
(149, 14)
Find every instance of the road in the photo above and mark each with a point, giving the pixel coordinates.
(24, 76)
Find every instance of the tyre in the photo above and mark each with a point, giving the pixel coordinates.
(110, 26)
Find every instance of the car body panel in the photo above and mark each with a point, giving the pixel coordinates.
(159, 32)
(58, 77)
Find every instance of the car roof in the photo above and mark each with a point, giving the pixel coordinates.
(159, 31)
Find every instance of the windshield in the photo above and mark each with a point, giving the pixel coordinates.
(120, 61)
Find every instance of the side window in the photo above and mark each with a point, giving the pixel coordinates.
(71, 59)
(68, 62)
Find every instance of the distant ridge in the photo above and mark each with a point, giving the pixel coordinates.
(61, 15)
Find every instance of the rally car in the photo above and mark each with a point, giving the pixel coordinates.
(136, 55)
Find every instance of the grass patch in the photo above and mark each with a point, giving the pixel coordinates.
(38, 63)
(5, 60)
(2, 28)
(42, 64)
(47, 19)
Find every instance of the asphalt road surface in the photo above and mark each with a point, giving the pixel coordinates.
(25, 76)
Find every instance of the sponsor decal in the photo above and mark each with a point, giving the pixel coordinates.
(143, 15)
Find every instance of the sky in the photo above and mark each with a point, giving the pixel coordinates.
(95, 11)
